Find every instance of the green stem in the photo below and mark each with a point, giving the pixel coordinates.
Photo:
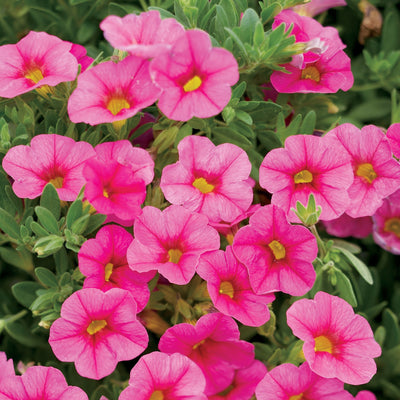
(15, 317)
(320, 242)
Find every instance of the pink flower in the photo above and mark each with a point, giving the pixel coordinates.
(145, 35)
(308, 164)
(277, 255)
(209, 179)
(393, 136)
(214, 345)
(97, 330)
(196, 79)
(288, 382)
(229, 288)
(337, 342)
(103, 261)
(365, 395)
(376, 173)
(36, 60)
(38, 382)
(315, 7)
(345, 226)
(159, 376)
(6, 367)
(170, 241)
(112, 92)
(52, 159)
(79, 52)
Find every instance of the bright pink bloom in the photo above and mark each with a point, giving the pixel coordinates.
(386, 230)
(97, 330)
(196, 78)
(393, 135)
(365, 395)
(337, 342)
(170, 241)
(145, 35)
(79, 52)
(288, 382)
(52, 159)
(308, 164)
(376, 173)
(229, 288)
(6, 367)
(45, 383)
(277, 255)
(345, 226)
(112, 92)
(315, 7)
(36, 60)
(209, 179)
(214, 345)
(159, 376)
(103, 261)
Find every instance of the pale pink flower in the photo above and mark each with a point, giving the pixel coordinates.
(145, 35)
(6, 367)
(171, 242)
(376, 173)
(36, 60)
(288, 382)
(96, 330)
(50, 158)
(209, 179)
(315, 7)
(159, 376)
(308, 165)
(393, 136)
(195, 78)
(365, 395)
(214, 345)
(345, 226)
(337, 342)
(277, 255)
(229, 288)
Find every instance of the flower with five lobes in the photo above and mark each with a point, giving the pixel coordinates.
(337, 343)
(37, 60)
(315, 7)
(195, 78)
(96, 330)
(208, 179)
(50, 158)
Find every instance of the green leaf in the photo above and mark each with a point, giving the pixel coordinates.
(47, 220)
(185, 130)
(38, 230)
(8, 224)
(21, 259)
(79, 226)
(223, 135)
(390, 39)
(74, 212)
(25, 292)
(46, 277)
(244, 116)
(50, 200)
(308, 125)
(391, 324)
(21, 333)
(61, 261)
(258, 37)
(344, 287)
(248, 25)
(95, 221)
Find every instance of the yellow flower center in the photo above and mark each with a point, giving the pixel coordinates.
(105, 193)
(116, 104)
(192, 84)
(198, 344)
(277, 249)
(108, 270)
(57, 182)
(312, 73)
(96, 326)
(226, 288)
(174, 255)
(323, 343)
(304, 176)
(157, 395)
(296, 397)
(393, 225)
(35, 75)
(203, 185)
(367, 172)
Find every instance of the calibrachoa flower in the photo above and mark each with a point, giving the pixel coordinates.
(50, 158)
(393, 135)
(36, 60)
(6, 367)
(79, 52)
(365, 395)
(277, 255)
(96, 330)
(145, 35)
(376, 173)
(337, 342)
(308, 164)
(345, 226)
(45, 383)
(196, 78)
(229, 288)
(112, 92)
(209, 179)
(103, 261)
(171, 242)
(214, 345)
(315, 7)
(288, 382)
(159, 376)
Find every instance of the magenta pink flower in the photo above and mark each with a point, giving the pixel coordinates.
(337, 342)
(209, 179)
(229, 288)
(52, 159)
(288, 382)
(6, 367)
(308, 164)
(96, 330)
(196, 78)
(376, 173)
(79, 52)
(365, 395)
(103, 261)
(214, 345)
(112, 92)
(159, 376)
(36, 60)
(38, 382)
(345, 226)
(277, 255)
(145, 35)
(393, 136)
(315, 7)
(170, 241)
